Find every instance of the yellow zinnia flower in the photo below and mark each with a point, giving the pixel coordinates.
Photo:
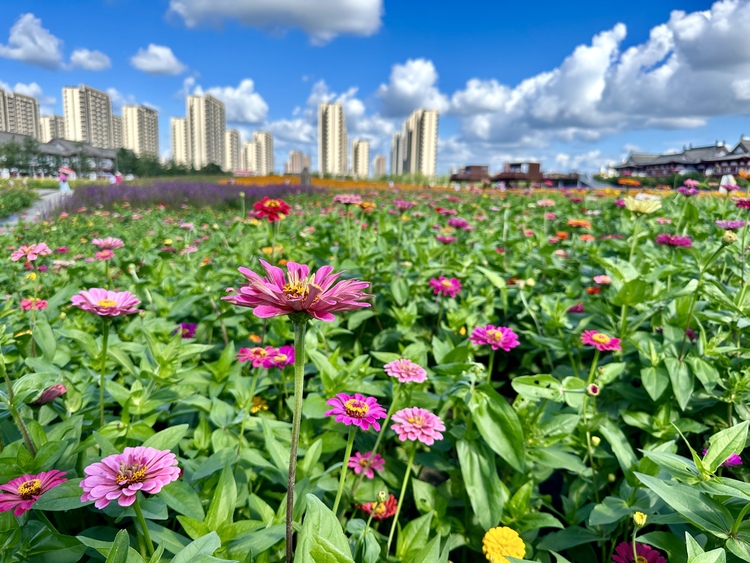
(258, 405)
(502, 542)
(644, 206)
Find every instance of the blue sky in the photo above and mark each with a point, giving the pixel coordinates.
(573, 86)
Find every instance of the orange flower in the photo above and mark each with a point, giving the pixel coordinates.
(562, 235)
(254, 338)
(593, 290)
(587, 237)
(580, 223)
(282, 261)
(628, 182)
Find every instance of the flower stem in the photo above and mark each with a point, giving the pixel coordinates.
(14, 411)
(635, 549)
(367, 527)
(43, 517)
(102, 369)
(491, 364)
(401, 498)
(589, 445)
(636, 230)
(342, 480)
(300, 327)
(247, 409)
(144, 527)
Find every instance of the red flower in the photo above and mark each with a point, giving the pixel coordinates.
(271, 209)
(382, 510)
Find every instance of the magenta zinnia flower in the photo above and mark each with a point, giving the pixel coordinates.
(732, 461)
(25, 490)
(405, 371)
(31, 252)
(646, 554)
(445, 286)
(743, 203)
(257, 355)
(282, 357)
(495, 336)
(347, 199)
(445, 239)
(730, 225)
(356, 409)
(106, 303)
(418, 424)
(50, 394)
(361, 462)
(120, 476)
(600, 341)
(109, 243)
(298, 292)
(459, 223)
(104, 255)
(688, 191)
(665, 239)
(576, 309)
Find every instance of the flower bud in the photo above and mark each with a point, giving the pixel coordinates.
(729, 238)
(50, 394)
(593, 389)
(382, 496)
(242, 194)
(640, 519)
(595, 441)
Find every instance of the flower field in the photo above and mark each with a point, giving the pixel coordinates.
(406, 376)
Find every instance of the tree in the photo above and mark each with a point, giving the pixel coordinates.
(29, 155)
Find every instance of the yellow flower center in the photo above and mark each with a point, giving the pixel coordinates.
(446, 283)
(363, 462)
(600, 338)
(259, 404)
(281, 358)
(106, 303)
(296, 290)
(379, 508)
(29, 489)
(418, 420)
(130, 474)
(494, 334)
(641, 559)
(356, 408)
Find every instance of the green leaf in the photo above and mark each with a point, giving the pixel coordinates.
(167, 439)
(321, 539)
(620, 445)
(725, 443)
(494, 278)
(487, 493)
(655, 380)
(498, 424)
(633, 292)
(205, 545)
(45, 338)
(682, 381)
(413, 537)
(63, 497)
(429, 553)
(539, 387)
(221, 510)
(567, 538)
(738, 547)
(119, 551)
(182, 498)
(706, 373)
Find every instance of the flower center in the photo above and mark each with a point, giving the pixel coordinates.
(106, 303)
(446, 283)
(495, 335)
(281, 358)
(363, 462)
(297, 289)
(600, 338)
(356, 408)
(129, 474)
(380, 508)
(29, 489)
(418, 420)
(641, 559)
(272, 203)
(259, 352)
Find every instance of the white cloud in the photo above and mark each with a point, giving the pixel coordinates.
(243, 104)
(411, 86)
(321, 20)
(46, 103)
(119, 99)
(157, 59)
(294, 130)
(31, 43)
(89, 60)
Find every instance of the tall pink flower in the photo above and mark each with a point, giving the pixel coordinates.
(33, 303)
(360, 462)
(106, 303)
(120, 476)
(356, 409)
(31, 252)
(418, 424)
(445, 286)
(50, 394)
(109, 243)
(298, 292)
(23, 492)
(104, 254)
(446, 239)
(495, 336)
(405, 371)
(347, 199)
(600, 341)
(603, 280)
(282, 357)
(257, 355)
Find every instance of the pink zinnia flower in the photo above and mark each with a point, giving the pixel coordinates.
(730, 225)
(61, 249)
(50, 394)
(361, 462)
(120, 476)
(405, 371)
(646, 554)
(495, 336)
(106, 303)
(620, 202)
(104, 255)
(445, 239)
(282, 357)
(600, 341)
(189, 249)
(33, 303)
(298, 292)
(403, 205)
(665, 239)
(743, 203)
(258, 356)
(602, 280)
(356, 409)
(24, 491)
(109, 243)
(31, 252)
(445, 286)
(576, 309)
(347, 199)
(546, 203)
(690, 183)
(550, 216)
(459, 223)
(418, 424)
(380, 510)
(664, 220)
(732, 461)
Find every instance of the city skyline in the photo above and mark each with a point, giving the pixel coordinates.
(572, 86)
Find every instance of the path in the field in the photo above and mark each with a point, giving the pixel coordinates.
(48, 200)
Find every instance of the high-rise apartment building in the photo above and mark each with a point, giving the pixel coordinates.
(88, 116)
(19, 114)
(414, 149)
(206, 124)
(332, 140)
(248, 156)
(140, 130)
(51, 127)
(117, 132)
(179, 141)
(264, 163)
(297, 162)
(360, 158)
(232, 150)
(378, 166)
